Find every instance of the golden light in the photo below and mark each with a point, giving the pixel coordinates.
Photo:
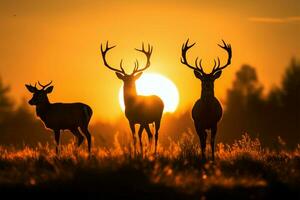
(156, 84)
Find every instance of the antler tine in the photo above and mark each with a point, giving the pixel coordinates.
(43, 86)
(196, 62)
(199, 65)
(214, 63)
(103, 52)
(107, 48)
(227, 47)
(149, 48)
(148, 54)
(136, 66)
(121, 66)
(40, 84)
(186, 46)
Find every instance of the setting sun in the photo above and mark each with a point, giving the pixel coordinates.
(156, 84)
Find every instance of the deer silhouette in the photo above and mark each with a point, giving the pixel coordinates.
(207, 111)
(61, 116)
(142, 110)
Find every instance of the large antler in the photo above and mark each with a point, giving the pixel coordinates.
(227, 47)
(103, 52)
(148, 55)
(185, 48)
(44, 86)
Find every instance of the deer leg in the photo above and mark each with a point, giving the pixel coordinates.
(157, 126)
(149, 135)
(212, 141)
(133, 135)
(57, 136)
(87, 134)
(202, 136)
(140, 137)
(78, 135)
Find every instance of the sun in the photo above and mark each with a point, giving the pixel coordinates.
(156, 84)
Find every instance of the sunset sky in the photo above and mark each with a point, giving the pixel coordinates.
(59, 41)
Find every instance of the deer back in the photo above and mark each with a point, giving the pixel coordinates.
(65, 115)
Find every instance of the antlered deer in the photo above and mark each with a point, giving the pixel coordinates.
(61, 116)
(142, 110)
(207, 111)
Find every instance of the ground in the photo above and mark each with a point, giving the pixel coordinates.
(244, 170)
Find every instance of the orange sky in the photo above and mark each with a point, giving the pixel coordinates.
(59, 40)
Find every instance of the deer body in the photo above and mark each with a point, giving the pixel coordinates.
(71, 115)
(142, 110)
(207, 111)
(61, 116)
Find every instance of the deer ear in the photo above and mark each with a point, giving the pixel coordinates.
(198, 75)
(30, 88)
(120, 76)
(138, 75)
(217, 74)
(49, 89)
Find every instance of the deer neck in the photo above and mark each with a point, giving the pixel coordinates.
(42, 108)
(207, 94)
(130, 95)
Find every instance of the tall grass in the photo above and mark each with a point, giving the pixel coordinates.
(243, 166)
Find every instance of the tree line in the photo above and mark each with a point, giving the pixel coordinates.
(275, 114)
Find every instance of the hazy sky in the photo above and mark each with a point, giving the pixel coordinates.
(59, 40)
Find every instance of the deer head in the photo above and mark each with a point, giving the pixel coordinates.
(128, 79)
(207, 79)
(39, 96)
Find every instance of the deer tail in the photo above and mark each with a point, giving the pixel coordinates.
(88, 112)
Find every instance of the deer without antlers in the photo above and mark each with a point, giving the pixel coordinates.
(207, 111)
(61, 116)
(142, 110)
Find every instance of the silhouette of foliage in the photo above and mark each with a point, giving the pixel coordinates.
(244, 100)
(270, 116)
(20, 127)
(6, 104)
(289, 98)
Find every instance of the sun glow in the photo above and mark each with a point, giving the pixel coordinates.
(156, 84)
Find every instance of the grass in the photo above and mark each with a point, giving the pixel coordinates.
(244, 170)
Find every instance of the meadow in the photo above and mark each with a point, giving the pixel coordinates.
(243, 170)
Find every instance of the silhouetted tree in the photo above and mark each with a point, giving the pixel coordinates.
(276, 115)
(6, 104)
(244, 105)
(290, 98)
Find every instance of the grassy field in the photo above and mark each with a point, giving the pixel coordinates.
(243, 170)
